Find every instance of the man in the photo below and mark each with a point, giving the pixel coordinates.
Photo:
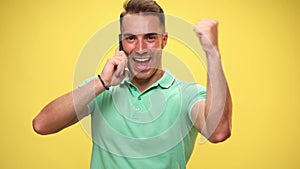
(142, 116)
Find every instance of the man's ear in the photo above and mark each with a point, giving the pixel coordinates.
(164, 40)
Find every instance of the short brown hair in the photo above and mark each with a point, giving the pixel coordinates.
(143, 7)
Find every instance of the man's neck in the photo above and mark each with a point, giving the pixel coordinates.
(143, 84)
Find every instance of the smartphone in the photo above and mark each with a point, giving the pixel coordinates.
(120, 42)
(121, 48)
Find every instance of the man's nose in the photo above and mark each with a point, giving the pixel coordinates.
(140, 46)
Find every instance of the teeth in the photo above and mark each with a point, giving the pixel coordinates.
(142, 59)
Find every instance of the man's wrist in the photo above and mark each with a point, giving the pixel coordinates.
(212, 52)
(98, 87)
(102, 82)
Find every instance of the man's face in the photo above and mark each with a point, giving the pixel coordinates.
(143, 40)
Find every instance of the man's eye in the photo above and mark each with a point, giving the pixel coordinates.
(151, 38)
(130, 38)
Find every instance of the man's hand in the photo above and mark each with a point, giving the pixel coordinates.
(207, 32)
(114, 71)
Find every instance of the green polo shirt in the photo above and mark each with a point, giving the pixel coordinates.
(149, 129)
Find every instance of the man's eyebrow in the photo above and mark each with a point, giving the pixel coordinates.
(128, 34)
(147, 34)
(150, 34)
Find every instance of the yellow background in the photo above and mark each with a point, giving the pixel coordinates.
(259, 40)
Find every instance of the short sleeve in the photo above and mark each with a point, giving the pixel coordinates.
(198, 95)
(193, 93)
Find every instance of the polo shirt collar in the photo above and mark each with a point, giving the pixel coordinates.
(165, 81)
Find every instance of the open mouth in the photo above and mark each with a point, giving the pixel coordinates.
(141, 64)
(142, 60)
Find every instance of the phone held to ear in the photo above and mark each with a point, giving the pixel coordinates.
(121, 48)
(120, 42)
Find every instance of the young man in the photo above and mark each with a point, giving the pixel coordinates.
(142, 116)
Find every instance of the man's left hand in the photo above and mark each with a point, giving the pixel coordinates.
(207, 32)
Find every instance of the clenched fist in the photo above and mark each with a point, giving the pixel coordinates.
(207, 32)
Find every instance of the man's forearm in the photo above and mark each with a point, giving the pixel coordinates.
(67, 109)
(218, 100)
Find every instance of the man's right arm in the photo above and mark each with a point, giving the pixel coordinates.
(73, 106)
(67, 109)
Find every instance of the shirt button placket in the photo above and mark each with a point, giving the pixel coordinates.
(138, 104)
